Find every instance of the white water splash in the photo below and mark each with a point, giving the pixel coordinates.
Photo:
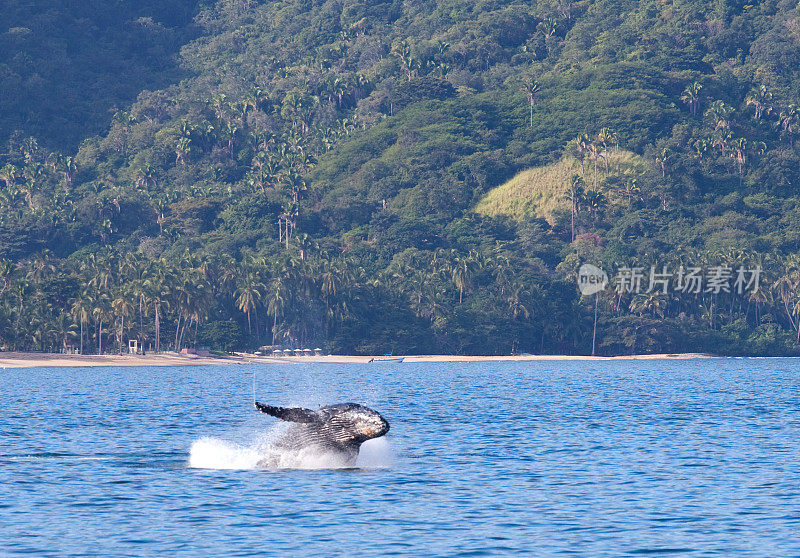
(214, 453)
(376, 454)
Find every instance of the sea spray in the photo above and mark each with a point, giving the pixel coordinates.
(376, 454)
(261, 453)
(213, 453)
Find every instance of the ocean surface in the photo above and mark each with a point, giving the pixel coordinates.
(614, 458)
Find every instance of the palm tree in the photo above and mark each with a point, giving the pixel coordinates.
(9, 174)
(198, 305)
(632, 190)
(595, 202)
(102, 276)
(123, 308)
(68, 167)
(298, 107)
(531, 88)
(145, 176)
(662, 159)
(125, 121)
(276, 304)
(332, 279)
(759, 98)
(719, 112)
(574, 194)
(722, 141)
(63, 329)
(701, 147)
(787, 120)
(565, 9)
(294, 183)
(788, 287)
(595, 153)
(248, 104)
(182, 149)
(594, 324)
(101, 313)
(41, 267)
(516, 304)
(22, 290)
(338, 88)
(462, 270)
(580, 146)
(230, 130)
(7, 268)
(159, 303)
(739, 154)
(33, 174)
(606, 137)
(137, 286)
(219, 104)
(248, 297)
(81, 311)
(305, 243)
(648, 303)
(691, 97)
(403, 52)
(548, 28)
(360, 85)
(30, 150)
(158, 293)
(190, 298)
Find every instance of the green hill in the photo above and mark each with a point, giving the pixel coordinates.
(391, 176)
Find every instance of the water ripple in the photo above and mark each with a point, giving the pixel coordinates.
(690, 458)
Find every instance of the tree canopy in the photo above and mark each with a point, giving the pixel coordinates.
(396, 176)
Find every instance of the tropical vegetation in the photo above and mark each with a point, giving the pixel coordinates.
(395, 176)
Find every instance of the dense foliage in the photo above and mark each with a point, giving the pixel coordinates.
(312, 178)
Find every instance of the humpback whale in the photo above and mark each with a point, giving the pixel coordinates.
(335, 432)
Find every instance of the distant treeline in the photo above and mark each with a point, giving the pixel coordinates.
(312, 178)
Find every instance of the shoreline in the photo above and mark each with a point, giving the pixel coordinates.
(35, 360)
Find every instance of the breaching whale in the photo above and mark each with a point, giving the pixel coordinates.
(333, 432)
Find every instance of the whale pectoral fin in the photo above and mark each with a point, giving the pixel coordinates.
(291, 414)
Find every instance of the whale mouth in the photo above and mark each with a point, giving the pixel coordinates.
(382, 429)
(374, 428)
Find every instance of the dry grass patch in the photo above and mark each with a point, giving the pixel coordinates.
(541, 191)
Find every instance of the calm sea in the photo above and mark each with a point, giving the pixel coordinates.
(689, 458)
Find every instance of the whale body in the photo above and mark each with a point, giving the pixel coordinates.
(332, 434)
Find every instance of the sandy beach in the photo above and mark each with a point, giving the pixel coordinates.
(24, 360)
(30, 360)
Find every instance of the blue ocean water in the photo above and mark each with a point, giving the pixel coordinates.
(552, 458)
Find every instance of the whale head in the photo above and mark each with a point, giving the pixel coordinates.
(360, 422)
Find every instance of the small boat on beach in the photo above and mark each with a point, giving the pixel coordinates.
(386, 358)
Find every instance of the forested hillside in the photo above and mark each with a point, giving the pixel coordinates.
(67, 67)
(398, 177)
